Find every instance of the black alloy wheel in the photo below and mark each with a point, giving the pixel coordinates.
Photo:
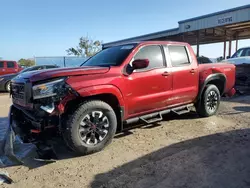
(209, 102)
(94, 127)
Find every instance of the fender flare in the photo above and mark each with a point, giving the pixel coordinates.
(102, 89)
(212, 77)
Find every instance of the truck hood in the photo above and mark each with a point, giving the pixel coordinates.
(35, 76)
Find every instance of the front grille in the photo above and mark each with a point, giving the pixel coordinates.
(18, 91)
(21, 94)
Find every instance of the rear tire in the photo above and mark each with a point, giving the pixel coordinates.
(91, 127)
(209, 103)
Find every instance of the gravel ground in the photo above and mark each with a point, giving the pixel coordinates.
(181, 151)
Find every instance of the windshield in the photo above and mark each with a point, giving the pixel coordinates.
(238, 53)
(25, 70)
(112, 56)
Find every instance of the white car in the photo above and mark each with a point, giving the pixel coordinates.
(242, 56)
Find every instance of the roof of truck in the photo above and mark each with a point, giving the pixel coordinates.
(151, 42)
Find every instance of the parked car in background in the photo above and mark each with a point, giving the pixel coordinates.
(9, 67)
(5, 79)
(137, 82)
(241, 56)
(203, 60)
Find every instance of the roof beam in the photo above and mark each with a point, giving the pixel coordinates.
(237, 25)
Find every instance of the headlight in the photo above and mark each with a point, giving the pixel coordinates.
(1, 79)
(48, 89)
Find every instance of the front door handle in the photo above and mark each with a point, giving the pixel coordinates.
(192, 71)
(165, 74)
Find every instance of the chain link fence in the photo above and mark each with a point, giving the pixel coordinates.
(62, 61)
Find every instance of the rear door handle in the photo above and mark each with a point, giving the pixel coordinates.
(165, 74)
(192, 70)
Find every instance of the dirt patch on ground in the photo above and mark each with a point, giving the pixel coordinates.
(181, 151)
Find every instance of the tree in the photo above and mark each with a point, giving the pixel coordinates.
(26, 62)
(86, 47)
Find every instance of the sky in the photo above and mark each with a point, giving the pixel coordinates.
(32, 28)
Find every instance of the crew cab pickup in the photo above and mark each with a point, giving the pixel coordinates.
(129, 83)
(9, 67)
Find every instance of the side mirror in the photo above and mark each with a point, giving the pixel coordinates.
(228, 57)
(140, 63)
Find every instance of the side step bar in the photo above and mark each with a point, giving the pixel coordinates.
(181, 110)
(157, 116)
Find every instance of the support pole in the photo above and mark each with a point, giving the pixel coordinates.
(198, 43)
(230, 48)
(236, 44)
(225, 46)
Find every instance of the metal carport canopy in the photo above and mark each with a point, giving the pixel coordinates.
(223, 26)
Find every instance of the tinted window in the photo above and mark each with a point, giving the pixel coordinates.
(51, 66)
(178, 56)
(247, 52)
(203, 60)
(10, 64)
(238, 53)
(112, 56)
(37, 68)
(32, 69)
(1, 64)
(153, 54)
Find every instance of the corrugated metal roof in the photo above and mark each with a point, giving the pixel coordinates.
(216, 13)
(150, 36)
(217, 19)
(232, 16)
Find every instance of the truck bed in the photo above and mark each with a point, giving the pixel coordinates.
(224, 68)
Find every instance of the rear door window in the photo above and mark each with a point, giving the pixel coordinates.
(10, 64)
(178, 55)
(1, 64)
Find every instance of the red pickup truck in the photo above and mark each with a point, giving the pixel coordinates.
(9, 67)
(137, 82)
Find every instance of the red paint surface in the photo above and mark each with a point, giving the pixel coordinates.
(59, 72)
(142, 92)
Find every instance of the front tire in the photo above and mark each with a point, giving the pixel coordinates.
(209, 103)
(91, 127)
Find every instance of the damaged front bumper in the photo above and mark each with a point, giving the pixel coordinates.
(7, 147)
(34, 120)
(18, 143)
